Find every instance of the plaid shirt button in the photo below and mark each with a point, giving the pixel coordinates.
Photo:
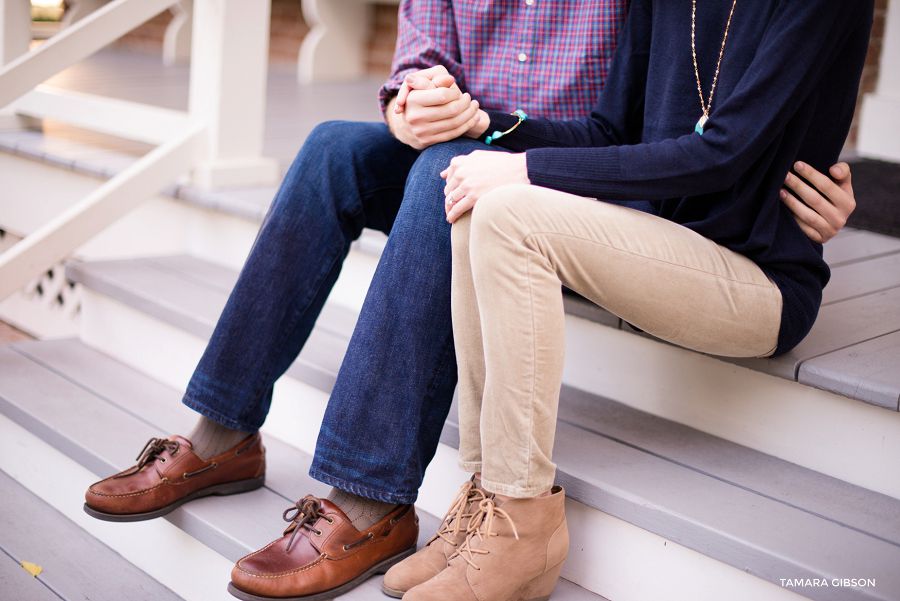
(569, 48)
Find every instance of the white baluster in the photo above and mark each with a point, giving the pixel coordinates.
(334, 49)
(229, 65)
(177, 41)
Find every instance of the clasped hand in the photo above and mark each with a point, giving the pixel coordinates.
(471, 176)
(430, 108)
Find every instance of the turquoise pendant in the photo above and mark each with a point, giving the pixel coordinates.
(700, 124)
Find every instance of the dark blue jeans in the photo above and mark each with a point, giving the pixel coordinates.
(394, 388)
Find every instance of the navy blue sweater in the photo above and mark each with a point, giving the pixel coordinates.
(786, 91)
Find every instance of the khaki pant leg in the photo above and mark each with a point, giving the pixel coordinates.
(661, 277)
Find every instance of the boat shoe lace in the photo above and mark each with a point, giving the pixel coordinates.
(451, 526)
(150, 452)
(303, 515)
(481, 527)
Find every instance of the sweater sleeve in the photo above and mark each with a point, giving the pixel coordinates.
(426, 36)
(592, 157)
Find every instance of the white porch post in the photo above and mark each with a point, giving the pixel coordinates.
(15, 29)
(229, 66)
(879, 129)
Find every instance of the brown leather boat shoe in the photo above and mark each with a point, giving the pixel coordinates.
(168, 474)
(322, 555)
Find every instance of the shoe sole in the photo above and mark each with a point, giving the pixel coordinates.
(230, 488)
(379, 568)
(391, 592)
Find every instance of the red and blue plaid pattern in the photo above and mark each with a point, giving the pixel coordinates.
(547, 57)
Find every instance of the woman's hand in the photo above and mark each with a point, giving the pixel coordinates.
(471, 176)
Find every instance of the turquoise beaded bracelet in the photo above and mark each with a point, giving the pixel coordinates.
(499, 134)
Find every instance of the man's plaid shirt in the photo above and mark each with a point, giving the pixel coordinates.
(546, 57)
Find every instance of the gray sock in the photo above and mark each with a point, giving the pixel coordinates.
(363, 513)
(210, 438)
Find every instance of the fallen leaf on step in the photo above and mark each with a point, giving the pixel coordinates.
(31, 568)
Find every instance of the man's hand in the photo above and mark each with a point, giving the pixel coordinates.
(430, 108)
(827, 203)
(472, 176)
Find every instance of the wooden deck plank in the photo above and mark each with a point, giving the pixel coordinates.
(215, 276)
(225, 525)
(742, 507)
(75, 565)
(763, 474)
(135, 393)
(864, 245)
(720, 520)
(334, 318)
(869, 371)
(102, 438)
(194, 305)
(839, 325)
(122, 386)
(18, 584)
(862, 277)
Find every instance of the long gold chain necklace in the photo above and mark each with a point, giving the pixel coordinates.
(706, 106)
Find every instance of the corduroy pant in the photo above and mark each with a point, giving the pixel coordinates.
(512, 253)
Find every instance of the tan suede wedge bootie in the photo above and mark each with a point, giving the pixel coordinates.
(514, 552)
(434, 557)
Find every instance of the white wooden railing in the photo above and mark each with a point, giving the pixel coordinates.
(218, 140)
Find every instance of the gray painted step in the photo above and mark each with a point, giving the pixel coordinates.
(750, 510)
(860, 245)
(869, 371)
(99, 412)
(838, 326)
(860, 278)
(74, 564)
(18, 584)
(190, 293)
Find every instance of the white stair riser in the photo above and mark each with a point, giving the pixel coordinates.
(834, 435)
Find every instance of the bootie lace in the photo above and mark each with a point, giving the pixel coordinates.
(481, 526)
(451, 525)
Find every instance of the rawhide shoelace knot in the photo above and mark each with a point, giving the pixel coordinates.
(152, 450)
(303, 514)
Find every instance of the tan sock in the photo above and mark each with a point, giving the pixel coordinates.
(363, 513)
(209, 438)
